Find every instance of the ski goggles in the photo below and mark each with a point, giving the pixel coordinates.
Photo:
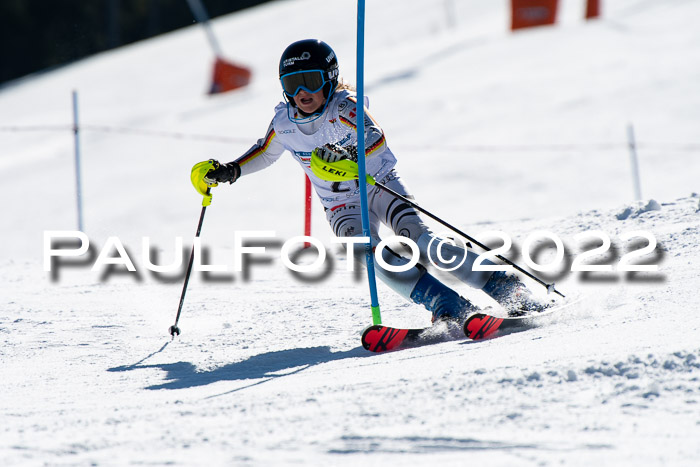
(310, 81)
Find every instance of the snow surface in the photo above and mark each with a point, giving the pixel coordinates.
(493, 130)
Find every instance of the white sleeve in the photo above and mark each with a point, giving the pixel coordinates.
(263, 154)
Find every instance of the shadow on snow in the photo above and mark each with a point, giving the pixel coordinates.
(269, 365)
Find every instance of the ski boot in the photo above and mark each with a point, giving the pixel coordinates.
(513, 295)
(444, 303)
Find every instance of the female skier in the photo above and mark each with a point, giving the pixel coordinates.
(319, 114)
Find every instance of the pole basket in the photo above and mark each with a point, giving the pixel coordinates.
(529, 13)
(228, 76)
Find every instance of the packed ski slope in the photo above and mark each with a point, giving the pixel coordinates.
(494, 131)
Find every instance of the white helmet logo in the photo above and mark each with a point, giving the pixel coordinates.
(290, 61)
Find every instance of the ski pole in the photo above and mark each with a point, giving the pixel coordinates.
(550, 287)
(346, 169)
(174, 329)
(197, 177)
(199, 171)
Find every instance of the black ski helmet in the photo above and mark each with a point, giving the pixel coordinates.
(311, 54)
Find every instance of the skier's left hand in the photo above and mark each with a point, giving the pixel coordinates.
(220, 173)
(334, 153)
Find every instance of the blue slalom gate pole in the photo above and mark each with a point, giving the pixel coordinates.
(376, 315)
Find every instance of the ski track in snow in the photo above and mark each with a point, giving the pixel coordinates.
(269, 369)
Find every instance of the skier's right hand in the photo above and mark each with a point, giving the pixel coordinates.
(334, 153)
(221, 173)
